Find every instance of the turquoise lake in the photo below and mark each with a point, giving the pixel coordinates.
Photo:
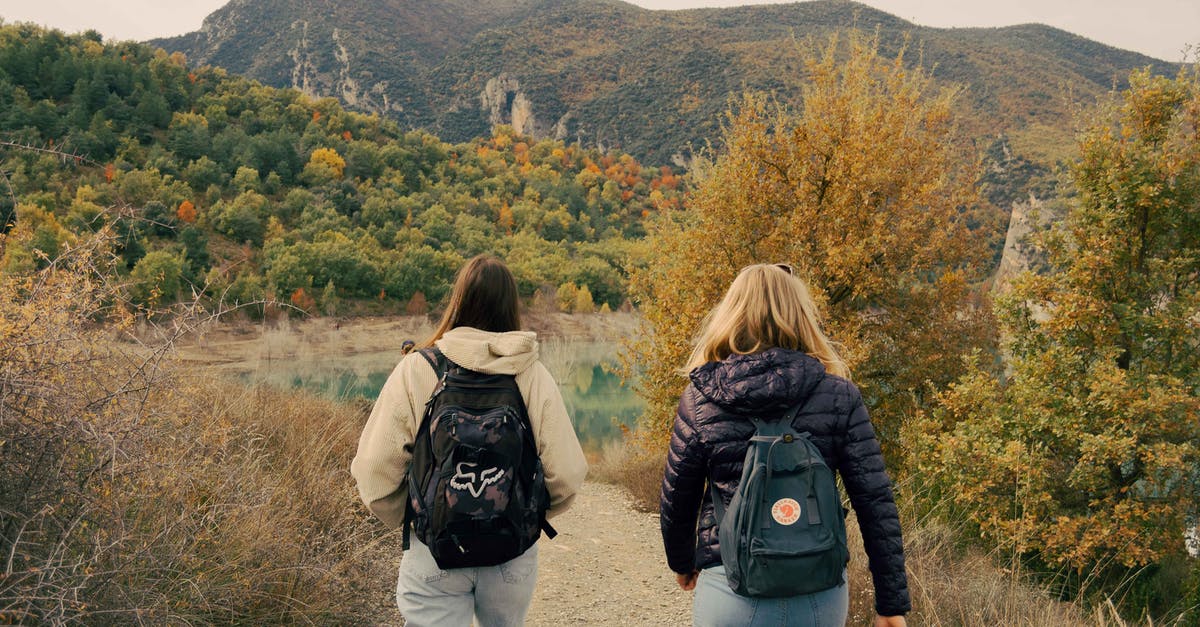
(598, 402)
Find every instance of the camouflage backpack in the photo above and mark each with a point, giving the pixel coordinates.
(477, 493)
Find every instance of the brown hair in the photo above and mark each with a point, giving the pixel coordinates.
(484, 297)
(765, 307)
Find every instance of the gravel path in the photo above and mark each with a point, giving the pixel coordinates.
(606, 567)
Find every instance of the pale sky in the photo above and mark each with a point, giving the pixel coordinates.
(1159, 28)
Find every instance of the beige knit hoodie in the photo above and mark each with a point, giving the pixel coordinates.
(385, 447)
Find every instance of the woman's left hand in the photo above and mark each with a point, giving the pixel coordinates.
(688, 581)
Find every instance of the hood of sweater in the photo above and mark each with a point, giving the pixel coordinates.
(488, 352)
(771, 381)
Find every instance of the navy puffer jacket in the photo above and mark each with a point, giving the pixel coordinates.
(708, 445)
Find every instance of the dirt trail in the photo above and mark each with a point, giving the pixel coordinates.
(606, 567)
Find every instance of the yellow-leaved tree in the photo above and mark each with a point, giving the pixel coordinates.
(324, 166)
(862, 188)
(1085, 454)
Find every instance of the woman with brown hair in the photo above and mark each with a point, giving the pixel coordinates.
(761, 355)
(479, 332)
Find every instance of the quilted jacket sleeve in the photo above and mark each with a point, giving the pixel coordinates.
(683, 487)
(870, 489)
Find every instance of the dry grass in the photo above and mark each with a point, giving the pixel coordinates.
(633, 468)
(135, 491)
(955, 586)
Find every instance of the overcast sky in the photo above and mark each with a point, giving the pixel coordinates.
(1159, 28)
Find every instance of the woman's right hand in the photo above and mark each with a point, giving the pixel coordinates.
(890, 621)
(688, 581)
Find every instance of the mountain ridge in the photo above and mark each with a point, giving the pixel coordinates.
(607, 73)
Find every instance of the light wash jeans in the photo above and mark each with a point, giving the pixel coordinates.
(717, 605)
(497, 596)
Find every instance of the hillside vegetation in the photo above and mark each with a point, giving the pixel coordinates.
(249, 192)
(654, 83)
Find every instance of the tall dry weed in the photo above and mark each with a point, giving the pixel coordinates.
(633, 467)
(134, 491)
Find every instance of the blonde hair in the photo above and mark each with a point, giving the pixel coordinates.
(765, 307)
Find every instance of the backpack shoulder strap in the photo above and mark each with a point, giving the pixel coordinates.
(759, 423)
(441, 365)
(437, 359)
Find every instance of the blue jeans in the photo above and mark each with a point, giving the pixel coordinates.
(717, 605)
(497, 596)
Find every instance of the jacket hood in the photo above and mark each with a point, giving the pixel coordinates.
(772, 381)
(489, 352)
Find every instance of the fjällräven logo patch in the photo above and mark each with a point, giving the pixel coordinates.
(785, 511)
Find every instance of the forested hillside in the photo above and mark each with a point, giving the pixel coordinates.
(219, 183)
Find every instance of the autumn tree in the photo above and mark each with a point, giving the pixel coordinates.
(417, 305)
(329, 299)
(861, 188)
(1084, 453)
(566, 296)
(583, 301)
(186, 212)
(324, 166)
(303, 301)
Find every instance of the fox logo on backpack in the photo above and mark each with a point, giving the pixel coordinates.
(784, 532)
(477, 493)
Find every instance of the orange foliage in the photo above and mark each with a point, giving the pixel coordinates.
(303, 301)
(505, 221)
(346, 135)
(109, 171)
(186, 212)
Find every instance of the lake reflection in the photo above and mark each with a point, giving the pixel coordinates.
(595, 398)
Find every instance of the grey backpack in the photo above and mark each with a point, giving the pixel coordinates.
(784, 532)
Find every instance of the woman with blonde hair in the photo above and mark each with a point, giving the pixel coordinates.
(478, 340)
(761, 355)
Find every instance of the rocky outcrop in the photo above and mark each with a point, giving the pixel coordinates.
(1019, 253)
(342, 83)
(304, 71)
(503, 102)
(351, 90)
